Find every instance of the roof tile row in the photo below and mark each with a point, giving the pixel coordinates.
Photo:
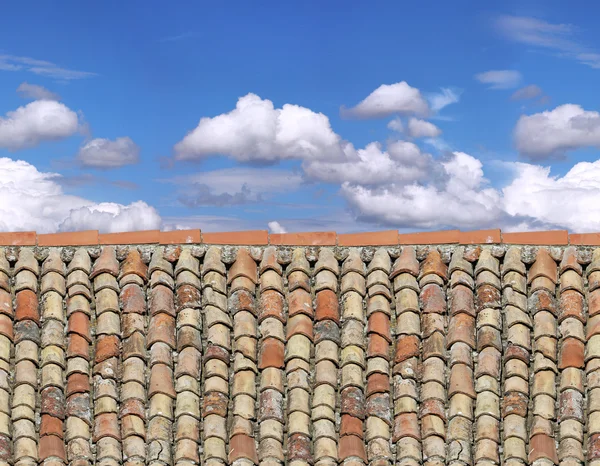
(326, 238)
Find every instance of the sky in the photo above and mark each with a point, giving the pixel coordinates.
(299, 116)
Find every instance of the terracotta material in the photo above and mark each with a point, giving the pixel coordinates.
(27, 306)
(323, 238)
(79, 238)
(431, 237)
(542, 446)
(51, 445)
(242, 446)
(272, 353)
(132, 237)
(351, 445)
(351, 425)
(554, 237)
(572, 353)
(20, 238)
(250, 238)
(480, 237)
(327, 306)
(406, 263)
(585, 239)
(180, 237)
(379, 238)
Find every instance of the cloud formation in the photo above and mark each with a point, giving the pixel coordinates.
(275, 227)
(422, 129)
(570, 201)
(41, 67)
(256, 131)
(526, 93)
(234, 186)
(500, 79)
(38, 121)
(401, 162)
(35, 92)
(106, 154)
(458, 197)
(558, 38)
(437, 101)
(553, 133)
(34, 200)
(389, 99)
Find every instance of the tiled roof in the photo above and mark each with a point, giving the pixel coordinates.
(181, 354)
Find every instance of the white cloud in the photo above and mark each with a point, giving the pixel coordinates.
(569, 202)
(275, 227)
(459, 198)
(389, 99)
(558, 38)
(551, 133)
(422, 129)
(446, 97)
(34, 200)
(500, 79)
(41, 120)
(401, 162)
(104, 153)
(41, 67)
(234, 186)
(35, 92)
(528, 92)
(396, 125)
(111, 217)
(256, 131)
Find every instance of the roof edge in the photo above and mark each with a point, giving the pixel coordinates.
(322, 238)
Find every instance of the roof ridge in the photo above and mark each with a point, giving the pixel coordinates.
(319, 238)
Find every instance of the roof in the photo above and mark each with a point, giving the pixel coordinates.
(407, 354)
(326, 238)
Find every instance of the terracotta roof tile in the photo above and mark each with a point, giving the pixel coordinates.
(179, 237)
(406, 355)
(324, 238)
(133, 237)
(379, 238)
(549, 238)
(79, 238)
(22, 238)
(431, 237)
(254, 237)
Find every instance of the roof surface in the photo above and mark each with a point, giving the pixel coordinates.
(181, 354)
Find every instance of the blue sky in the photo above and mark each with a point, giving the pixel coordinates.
(350, 116)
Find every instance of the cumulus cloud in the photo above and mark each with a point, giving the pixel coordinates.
(526, 93)
(38, 121)
(111, 217)
(396, 125)
(401, 162)
(500, 79)
(461, 197)
(34, 200)
(105, 153)
(234, 186)
(552, 133)
(422, 129)
(256, 131)
(570, 201)
(275, 227)
(389, 99)
(35, 92)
